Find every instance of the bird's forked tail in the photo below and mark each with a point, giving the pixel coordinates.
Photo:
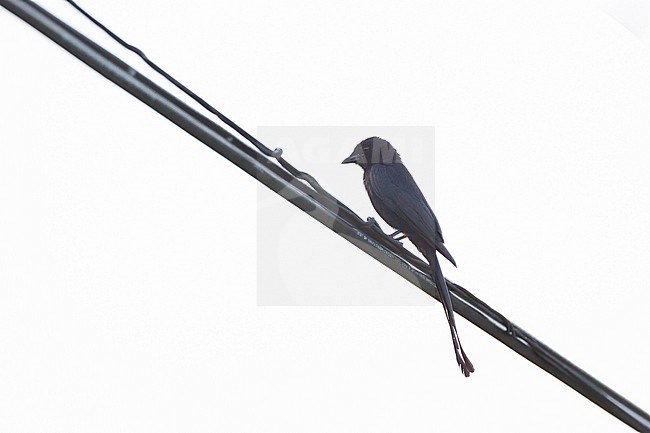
(463, 361)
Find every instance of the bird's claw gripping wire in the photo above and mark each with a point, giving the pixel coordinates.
(395, 238)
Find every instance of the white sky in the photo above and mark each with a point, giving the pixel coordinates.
(128, 284)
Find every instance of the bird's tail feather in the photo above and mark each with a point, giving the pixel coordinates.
(445, 253)
(463, 361)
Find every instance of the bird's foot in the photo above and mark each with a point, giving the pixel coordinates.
(396, 241)
(395, 237)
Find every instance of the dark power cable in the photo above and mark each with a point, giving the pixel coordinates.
(325, 209)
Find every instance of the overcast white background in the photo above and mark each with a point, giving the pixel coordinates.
(128, 281)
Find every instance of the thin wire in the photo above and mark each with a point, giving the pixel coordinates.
(276, 153)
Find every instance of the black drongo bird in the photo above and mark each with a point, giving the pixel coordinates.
(398, 200)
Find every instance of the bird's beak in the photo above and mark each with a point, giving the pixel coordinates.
(350, 159)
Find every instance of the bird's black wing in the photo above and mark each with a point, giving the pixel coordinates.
(396, 197)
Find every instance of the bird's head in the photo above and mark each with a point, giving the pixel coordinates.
(373, 150)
